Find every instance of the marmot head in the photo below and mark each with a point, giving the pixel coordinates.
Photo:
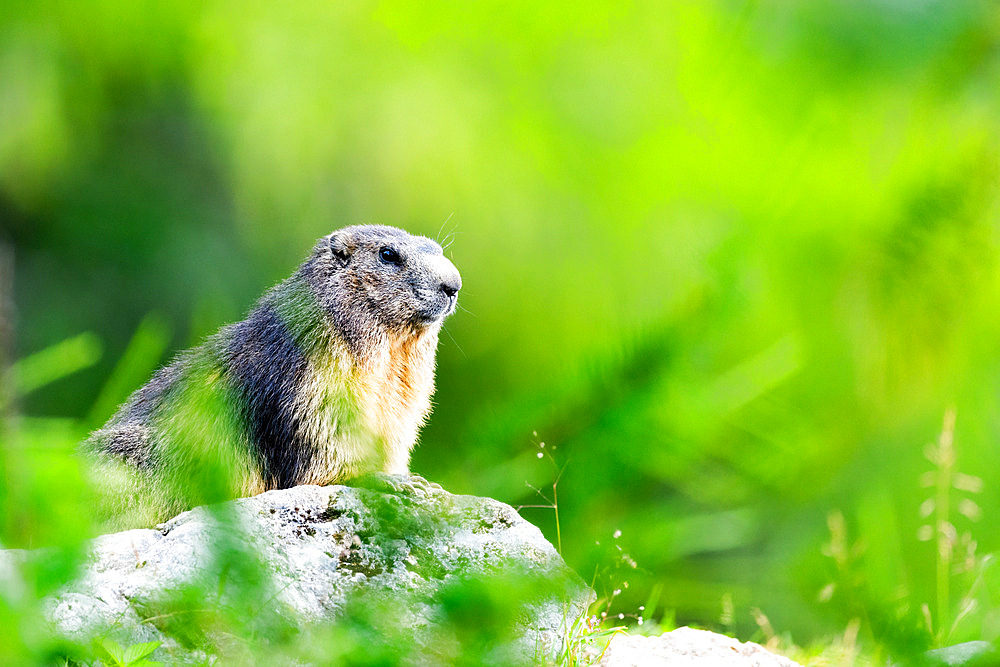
(376, 279)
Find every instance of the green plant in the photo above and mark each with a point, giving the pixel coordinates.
(586, 636)
(957, 607)
(955, 552)
(114, 654)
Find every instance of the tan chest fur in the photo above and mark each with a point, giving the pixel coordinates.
(363, 415)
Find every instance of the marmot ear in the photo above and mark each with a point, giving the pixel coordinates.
(341, 248)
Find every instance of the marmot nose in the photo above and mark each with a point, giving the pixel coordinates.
(450, 288)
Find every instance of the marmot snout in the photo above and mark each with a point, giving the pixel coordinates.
(329, 377)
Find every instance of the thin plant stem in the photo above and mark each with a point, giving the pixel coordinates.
(555, 508)
(945, 531)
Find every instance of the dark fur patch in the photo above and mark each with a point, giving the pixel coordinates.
(267, 368)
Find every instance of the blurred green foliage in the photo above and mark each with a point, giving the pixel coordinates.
(731, 261)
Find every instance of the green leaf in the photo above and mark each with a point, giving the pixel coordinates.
(136, 652)
(55, 362)
(113, 649)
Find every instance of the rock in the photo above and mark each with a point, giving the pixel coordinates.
(969, 654)
(687, 647)
(427, 570)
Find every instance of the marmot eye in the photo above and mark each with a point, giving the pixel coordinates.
(389, 256)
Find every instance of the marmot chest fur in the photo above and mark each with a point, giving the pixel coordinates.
(329, 377)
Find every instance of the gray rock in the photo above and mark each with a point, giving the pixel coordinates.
(969, 654)
(687, 647)
(326, 552)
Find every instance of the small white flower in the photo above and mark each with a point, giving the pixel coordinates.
(927, 508)
(969, 509)
(969, 483)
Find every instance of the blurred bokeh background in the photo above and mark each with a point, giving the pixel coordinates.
(734, 263)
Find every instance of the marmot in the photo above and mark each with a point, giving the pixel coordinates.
(328, 378)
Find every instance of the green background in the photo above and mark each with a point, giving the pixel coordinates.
(732, 262)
